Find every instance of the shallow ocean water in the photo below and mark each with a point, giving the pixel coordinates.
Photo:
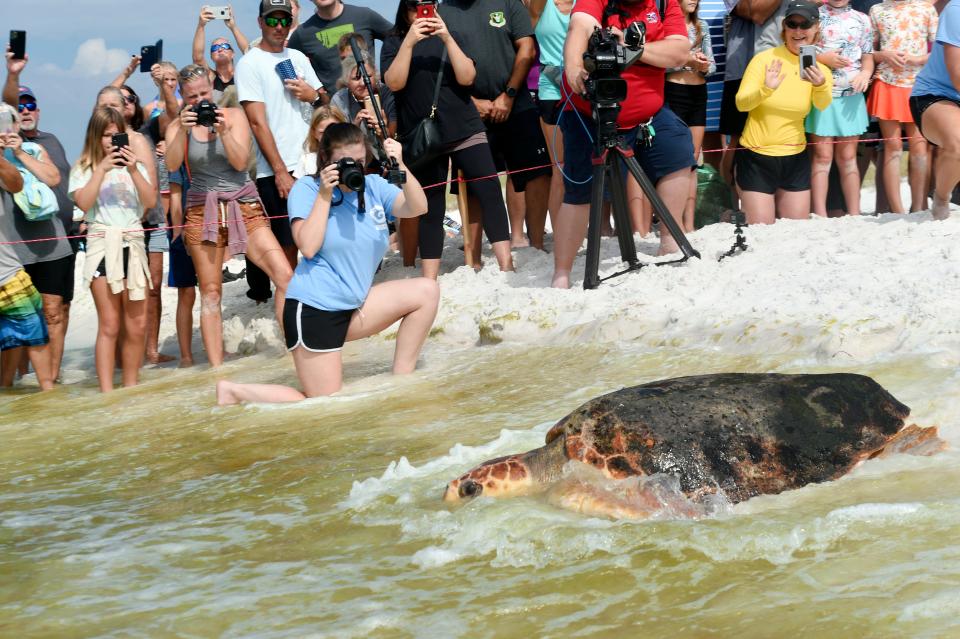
(153, 513)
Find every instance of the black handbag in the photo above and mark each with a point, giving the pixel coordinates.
(424, 143)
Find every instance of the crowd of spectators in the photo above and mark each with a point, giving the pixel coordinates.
(240, 153)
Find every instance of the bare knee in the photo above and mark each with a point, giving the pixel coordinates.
(210, 300)
(110, 327)
(429, 291)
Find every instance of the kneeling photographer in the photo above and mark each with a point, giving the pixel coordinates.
(223, 207)
(660, 139)
(339, 223)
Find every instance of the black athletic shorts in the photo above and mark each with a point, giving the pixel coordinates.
(54, 277)
(275, 205)
(732, 119)
(102, 266)
(920, 103)
(688, 101)
(316, 330)
(550, 110)
(767, 173)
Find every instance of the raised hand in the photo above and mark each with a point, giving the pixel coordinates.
(773, 76)
(15, 67)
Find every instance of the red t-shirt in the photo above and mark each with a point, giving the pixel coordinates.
(644, 82)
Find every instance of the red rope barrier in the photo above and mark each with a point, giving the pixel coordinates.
(431, 186)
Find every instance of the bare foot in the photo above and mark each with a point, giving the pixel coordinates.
(225, 395)
(561, 279)
(667, 246)
(186, 362)
(940, 209)
(159, 358)
(519, 242)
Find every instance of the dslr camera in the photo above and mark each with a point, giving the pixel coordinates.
(351, 174)
(206, 113)
(606, 59)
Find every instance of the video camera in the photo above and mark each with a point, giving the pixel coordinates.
(606, 59)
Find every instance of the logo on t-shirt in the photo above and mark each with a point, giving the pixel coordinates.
(653, 17)
(497, 20)
(331, 37)
(379, 217)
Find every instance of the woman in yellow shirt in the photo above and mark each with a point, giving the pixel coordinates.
(773, 168)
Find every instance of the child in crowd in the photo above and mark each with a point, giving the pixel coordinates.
(685, 92)
(846, 46)
(112, 187)
(322, 117)
(903, 29)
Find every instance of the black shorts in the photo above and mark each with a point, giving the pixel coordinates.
(102, 266)
(550, 110)
(274, 205)
(919, 104)
(768, 173)
(688, 101)
(518, 144)
(315, 330)
(54, 277)
(732, 119)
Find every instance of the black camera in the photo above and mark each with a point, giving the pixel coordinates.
(606, 59)
(206, 113)
(351, 174)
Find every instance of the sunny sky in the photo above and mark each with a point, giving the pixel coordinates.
(75, 47)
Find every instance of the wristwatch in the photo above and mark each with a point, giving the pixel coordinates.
(511, 92)
(319, 101)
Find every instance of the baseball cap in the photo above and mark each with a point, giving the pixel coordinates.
(803, 8)
(28, 92)
(269, 6)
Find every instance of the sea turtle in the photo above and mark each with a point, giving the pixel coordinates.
(743, 434)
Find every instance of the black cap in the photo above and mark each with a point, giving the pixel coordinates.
(804, 9)
(269, 6)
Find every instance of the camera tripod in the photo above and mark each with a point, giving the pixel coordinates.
(609, 148)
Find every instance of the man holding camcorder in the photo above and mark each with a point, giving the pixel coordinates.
(660, 139)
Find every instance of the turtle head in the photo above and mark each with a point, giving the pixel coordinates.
(501, 477)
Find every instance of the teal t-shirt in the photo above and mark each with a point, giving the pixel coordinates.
(339, 276)
(551, 32)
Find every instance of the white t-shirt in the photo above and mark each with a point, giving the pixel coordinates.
(258, 81)
(118, 203)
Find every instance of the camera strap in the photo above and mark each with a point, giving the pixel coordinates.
(646, 132)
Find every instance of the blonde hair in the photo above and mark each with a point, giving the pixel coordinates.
(312, 144)
(190, 73)
(102, 117)
(6, 108)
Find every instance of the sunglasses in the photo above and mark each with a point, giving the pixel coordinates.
(27, 106)
(130, 99)
(224, 46)
(272, 22)
(794, 24)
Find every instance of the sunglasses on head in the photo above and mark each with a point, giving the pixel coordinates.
(272, 22)
(27, 106)
(223, 46)
(798, 24)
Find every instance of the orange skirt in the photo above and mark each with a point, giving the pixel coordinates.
(887, 102)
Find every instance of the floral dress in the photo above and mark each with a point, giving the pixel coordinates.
(905, 26)
(851, 33)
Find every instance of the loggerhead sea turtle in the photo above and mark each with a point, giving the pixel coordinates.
(744, 434)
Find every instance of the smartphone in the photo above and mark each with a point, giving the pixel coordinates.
(368, 104)
(808, 58)
(150, 55)
(6, 122)
(285, 70)
(220, 13)
(18, 44)
(119, 140)
(426, 9)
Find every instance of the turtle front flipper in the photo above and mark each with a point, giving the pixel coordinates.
(521, 474)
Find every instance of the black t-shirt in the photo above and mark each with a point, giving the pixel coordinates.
(489, 29)
(456, 115)
(317, 39)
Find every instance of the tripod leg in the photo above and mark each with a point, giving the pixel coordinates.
(591, 276)
(660, 208)
(621, 216)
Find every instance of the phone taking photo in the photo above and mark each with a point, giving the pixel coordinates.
(150, 55)
(426, 9)
(18, 44)
(808, 58)
(118, 141)
(6, 123)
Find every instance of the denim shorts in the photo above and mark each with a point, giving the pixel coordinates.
(672, 150)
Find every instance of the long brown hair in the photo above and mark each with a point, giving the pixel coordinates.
(335, 136)
(102, 117)
(312, 144)
(694, 17)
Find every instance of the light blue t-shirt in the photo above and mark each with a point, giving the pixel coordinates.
(934, 77)
(339, 276)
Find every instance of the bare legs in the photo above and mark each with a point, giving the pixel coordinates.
(413, 302)
(114, 309)
(918, 168)
(186, 298)
(40, 359)
(529, 206)
(154, 309)
(823, 157)
(696, 133)
(941, 125)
